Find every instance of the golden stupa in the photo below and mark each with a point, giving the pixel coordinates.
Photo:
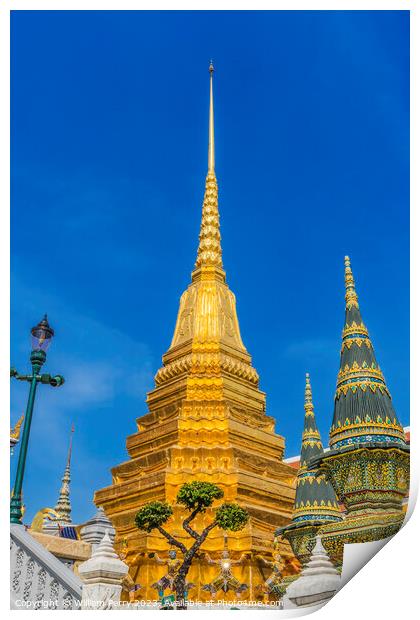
(206, 421)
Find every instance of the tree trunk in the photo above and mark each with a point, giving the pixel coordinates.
(180, 579)
(180, 585)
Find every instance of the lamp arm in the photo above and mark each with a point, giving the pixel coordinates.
(14, 374)
(47, 379)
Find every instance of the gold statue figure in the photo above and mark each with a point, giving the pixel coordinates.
(225, 581)
(167, 581)
(272, 585)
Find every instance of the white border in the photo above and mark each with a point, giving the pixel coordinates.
(386, 586)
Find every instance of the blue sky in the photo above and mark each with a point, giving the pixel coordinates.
(109, 147)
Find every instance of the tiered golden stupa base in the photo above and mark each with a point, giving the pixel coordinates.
(221, 447)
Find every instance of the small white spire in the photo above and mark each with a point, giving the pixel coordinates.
(318, 582)
(105, 548)
(102, 576)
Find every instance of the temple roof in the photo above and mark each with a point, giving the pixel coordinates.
(363, 410)
(315, 498)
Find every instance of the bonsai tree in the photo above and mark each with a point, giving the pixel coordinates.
(197, 497)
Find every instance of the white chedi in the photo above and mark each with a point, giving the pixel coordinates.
(318, 582)
(102, 576)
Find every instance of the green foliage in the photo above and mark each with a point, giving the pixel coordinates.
(231, 517)
(153, 515)
(198, 495)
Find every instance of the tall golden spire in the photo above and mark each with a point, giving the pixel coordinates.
(207, 342)
(209, 249)
(206, 420)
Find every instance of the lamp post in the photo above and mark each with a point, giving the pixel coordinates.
(42, 335)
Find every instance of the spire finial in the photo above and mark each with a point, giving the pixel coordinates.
(308, 394)
(351, 295)
(209, 249)
(211, 162)
(70, 445)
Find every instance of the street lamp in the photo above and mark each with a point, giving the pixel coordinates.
(41, 336)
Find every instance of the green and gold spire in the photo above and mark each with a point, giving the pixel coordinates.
(315, 498)
(363, 411)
